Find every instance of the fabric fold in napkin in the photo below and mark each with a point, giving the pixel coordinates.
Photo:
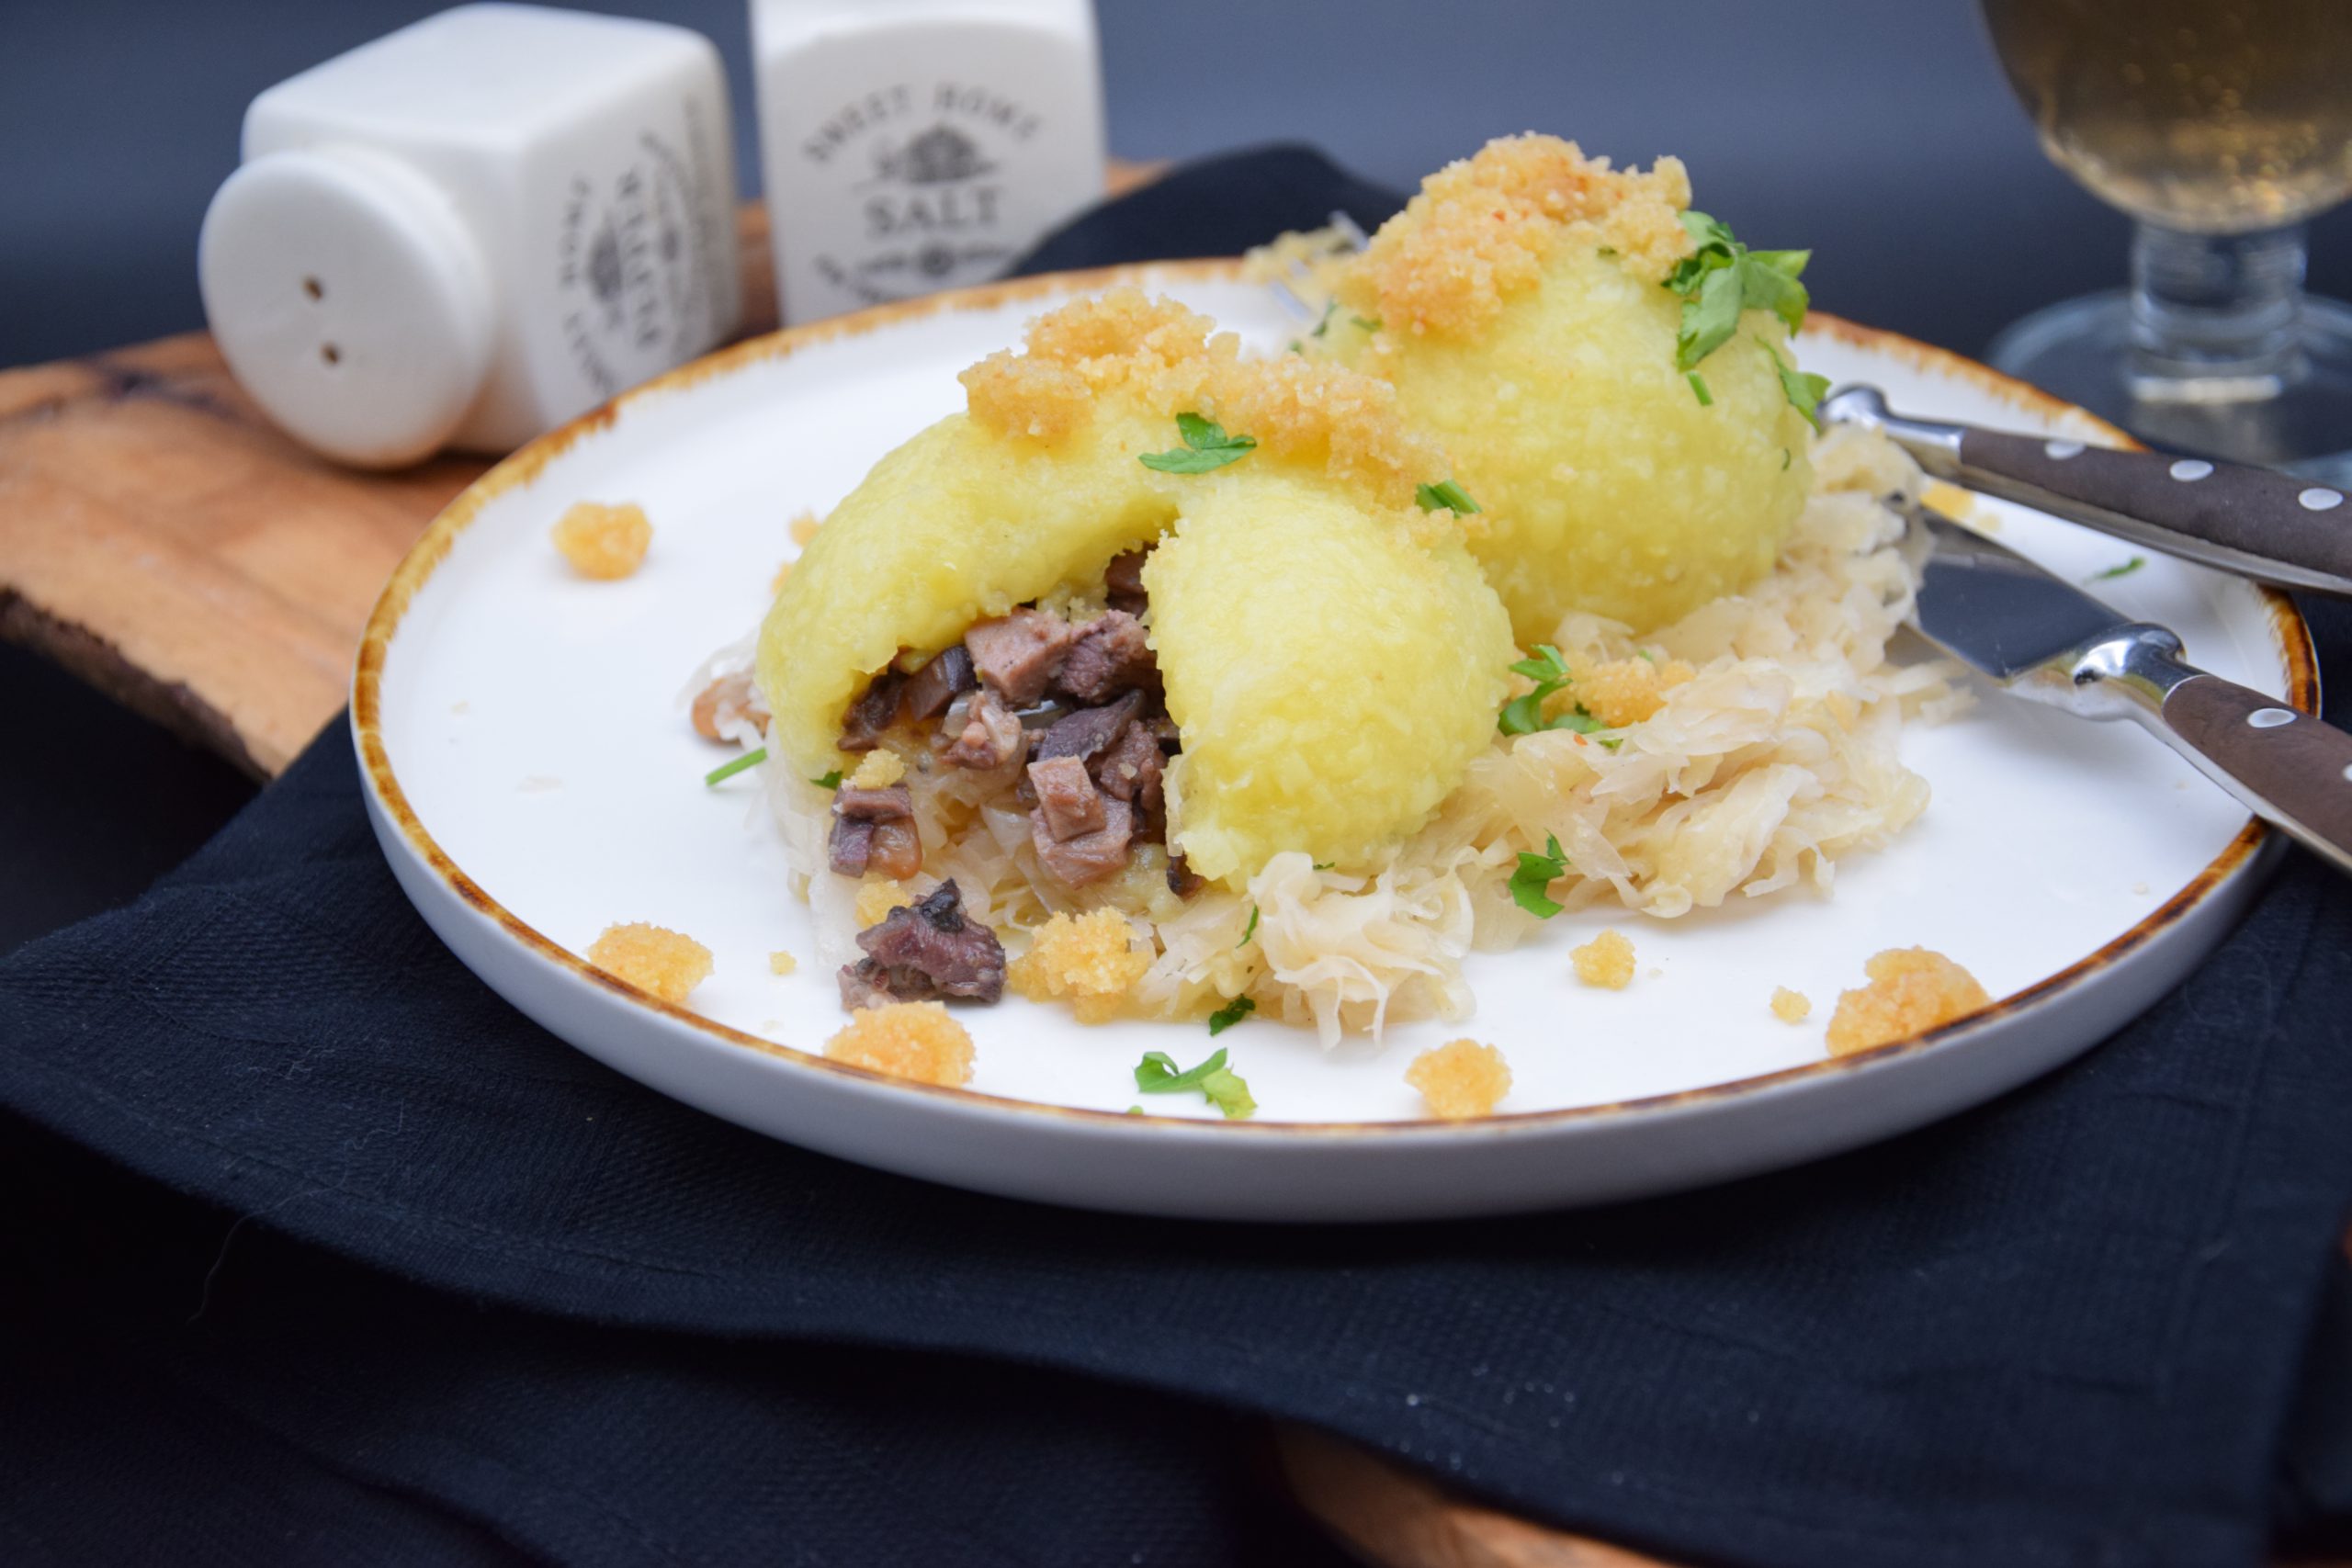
(426, 1261)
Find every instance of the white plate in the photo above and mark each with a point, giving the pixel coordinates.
(532, 781)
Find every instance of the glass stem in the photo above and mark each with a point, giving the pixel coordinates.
(2215, 317)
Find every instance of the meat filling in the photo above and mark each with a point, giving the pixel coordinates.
(939, 683)
(874, 829)
(1109, 655)
(926, 953)
(874, 713)
(988, 737)
(1068, 803)
(1097, 749)
(1018, 655)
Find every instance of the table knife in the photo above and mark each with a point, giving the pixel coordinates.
(2256, 522)
(2040, 636)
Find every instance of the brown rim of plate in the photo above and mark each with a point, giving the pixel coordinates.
(2288, 627)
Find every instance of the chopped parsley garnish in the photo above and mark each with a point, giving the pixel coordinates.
(1231, 1014)
(1524, 716)
(1330, 308)
(1447, 494)
(829, 779)
(1222, 1086)
(1250, 929)
(725, 771)
(1699, 389)
(1612, 741)
(1325, 864)
(1537, 873)
(2126, 570)
(1368, 324)
(1784, 460)
(1207, 447)
(1722, 278)
(1801, 387)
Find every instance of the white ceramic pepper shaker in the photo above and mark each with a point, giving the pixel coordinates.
(914, 145)
(474, 229)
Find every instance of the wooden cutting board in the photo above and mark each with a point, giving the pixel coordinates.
(161, 538)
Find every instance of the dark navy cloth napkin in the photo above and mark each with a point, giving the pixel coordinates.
(320, 1252)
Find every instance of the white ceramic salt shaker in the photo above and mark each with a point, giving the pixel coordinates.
(474, 229)
(914, 145)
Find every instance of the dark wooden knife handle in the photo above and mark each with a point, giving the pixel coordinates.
(2259, 523)
(2288, 767)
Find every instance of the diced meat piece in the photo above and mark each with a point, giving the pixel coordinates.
(939, 683)
(1089, 857)
(891, 805)
(1110, 654)
(930, 951)
(1123, 581)
(1181, 879)
(851, 848)
(897, 850)
(1018, 654)
(1068, 801)
(724, 700)
(1088, 732)
(990, 736)
(1132, 770)
(873, 713)
(863, 986)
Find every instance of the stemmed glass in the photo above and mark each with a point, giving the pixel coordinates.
(2220, 126)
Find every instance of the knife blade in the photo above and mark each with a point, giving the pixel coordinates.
(2269, 526)
(2041, 637)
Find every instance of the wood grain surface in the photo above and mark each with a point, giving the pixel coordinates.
(161, 539)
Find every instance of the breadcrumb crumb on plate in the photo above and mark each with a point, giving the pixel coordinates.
(1607, 961)
(658, 960)
(1461, 1079)
(1791, 1006)
(606, 543)
(906, 1040)
(1094, 961)
(782, 963)
(1911, 991)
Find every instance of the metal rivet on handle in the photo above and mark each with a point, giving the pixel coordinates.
(2062, 450)
(2270, 718)
(2189, 469)
(2321, 499)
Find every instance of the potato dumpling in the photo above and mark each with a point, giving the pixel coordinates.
(1332, 656)
(1332, 676)
(1516, 307)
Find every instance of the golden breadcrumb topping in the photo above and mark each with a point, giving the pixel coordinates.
(1460, 1079)
(604, 542)
(804, 527)
(782, 963)
(1911, 991)
(1163, 355)
(906, 1040)
(1481, 228)
(775, 583)
(1606, 961)
(1623, 691)
(876, 896)
(1092, 960)
(881, 769)
(655, 959)
(1791, 1006)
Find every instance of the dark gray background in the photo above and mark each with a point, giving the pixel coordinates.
(1877, 131)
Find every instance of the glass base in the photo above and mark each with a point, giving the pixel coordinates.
(2300, 421)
